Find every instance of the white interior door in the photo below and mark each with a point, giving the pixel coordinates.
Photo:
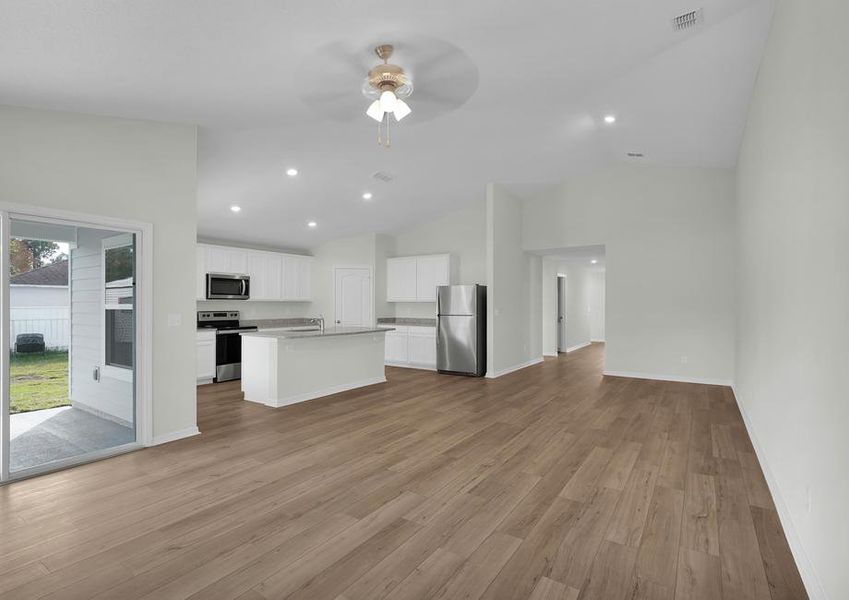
(561, 313)
(353, 296)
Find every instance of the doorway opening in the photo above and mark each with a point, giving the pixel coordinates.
(70, 319)
(574, 298)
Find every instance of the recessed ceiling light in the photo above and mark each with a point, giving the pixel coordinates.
(367, 196)
(312, 224)
(235, 208)
(291, 172)
(610, 119)
(593, 261)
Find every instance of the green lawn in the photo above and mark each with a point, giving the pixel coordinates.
(38, 381)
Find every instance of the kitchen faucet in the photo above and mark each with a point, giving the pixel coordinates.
(319, 320)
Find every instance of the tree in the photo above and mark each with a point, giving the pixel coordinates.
(43, 253)
(26, 255)
(20, 257)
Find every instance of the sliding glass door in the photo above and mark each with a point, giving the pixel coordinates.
(69, 322)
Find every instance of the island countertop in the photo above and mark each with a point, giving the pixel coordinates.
(290, 334)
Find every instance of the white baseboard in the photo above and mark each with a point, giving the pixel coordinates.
(411, 366)
(502, 372)
(601, 341)
(554, 354)
(812, 582)
(279, 402)
(637, 375)
(174, 436)
(577, 347)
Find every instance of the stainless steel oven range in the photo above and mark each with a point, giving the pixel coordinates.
(228, 342)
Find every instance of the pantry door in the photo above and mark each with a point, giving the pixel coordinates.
(354, 299)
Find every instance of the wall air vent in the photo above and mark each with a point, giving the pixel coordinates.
(384, 177)
(688, 21)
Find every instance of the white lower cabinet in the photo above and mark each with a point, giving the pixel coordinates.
(410, 346)
(396, 346)
(205, 356)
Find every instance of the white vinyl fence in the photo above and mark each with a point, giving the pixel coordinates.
(53, 322)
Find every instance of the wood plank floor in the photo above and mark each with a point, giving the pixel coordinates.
(550, 483)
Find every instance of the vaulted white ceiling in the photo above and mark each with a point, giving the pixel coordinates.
(547, 72)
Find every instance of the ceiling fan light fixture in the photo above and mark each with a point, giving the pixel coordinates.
(402, 109)
(387, 101)
(375, 111)
(387, 85)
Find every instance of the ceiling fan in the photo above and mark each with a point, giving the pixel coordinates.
(329, 76)
(387, 85)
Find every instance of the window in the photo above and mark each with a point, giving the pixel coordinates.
(119, 305)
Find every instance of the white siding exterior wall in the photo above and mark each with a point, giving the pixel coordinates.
(109, 397)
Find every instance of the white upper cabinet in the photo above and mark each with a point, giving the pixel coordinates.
(201, 272)
(220, 259)
(431, 272)
(415, 278)
(401, 279)
(296, 278)
(274, 276)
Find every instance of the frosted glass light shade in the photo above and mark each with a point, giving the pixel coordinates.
(375, 112)
(402, 109)
(387, 101)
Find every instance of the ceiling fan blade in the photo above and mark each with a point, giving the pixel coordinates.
(330, 78)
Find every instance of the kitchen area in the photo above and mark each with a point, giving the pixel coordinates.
(263, 319)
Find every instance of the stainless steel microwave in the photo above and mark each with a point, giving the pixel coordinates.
(228, 286)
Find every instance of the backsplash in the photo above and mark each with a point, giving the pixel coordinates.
(250, 310)
(415, 310)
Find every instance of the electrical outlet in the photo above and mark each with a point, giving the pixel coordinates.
(684, 359)
(175, 319)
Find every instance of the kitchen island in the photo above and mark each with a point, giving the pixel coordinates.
(281, 367)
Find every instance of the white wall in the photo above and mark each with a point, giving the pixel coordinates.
(669, 237)
(514, 277)
(597, 283)
(461, 233)
(358, 251)
(40, 309)
(109, 397)
(128, 169)
(793, 344)
(26, 296)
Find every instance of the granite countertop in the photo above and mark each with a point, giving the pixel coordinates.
(409, 321)
(284, 334)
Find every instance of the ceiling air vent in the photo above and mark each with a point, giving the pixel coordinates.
(688, 20)
(384, 177)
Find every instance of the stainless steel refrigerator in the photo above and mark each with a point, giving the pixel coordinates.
(461, 329)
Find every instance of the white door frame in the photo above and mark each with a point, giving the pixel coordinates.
(144, 325)
(371, 287)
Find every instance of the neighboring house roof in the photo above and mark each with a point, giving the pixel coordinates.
(52, 274)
